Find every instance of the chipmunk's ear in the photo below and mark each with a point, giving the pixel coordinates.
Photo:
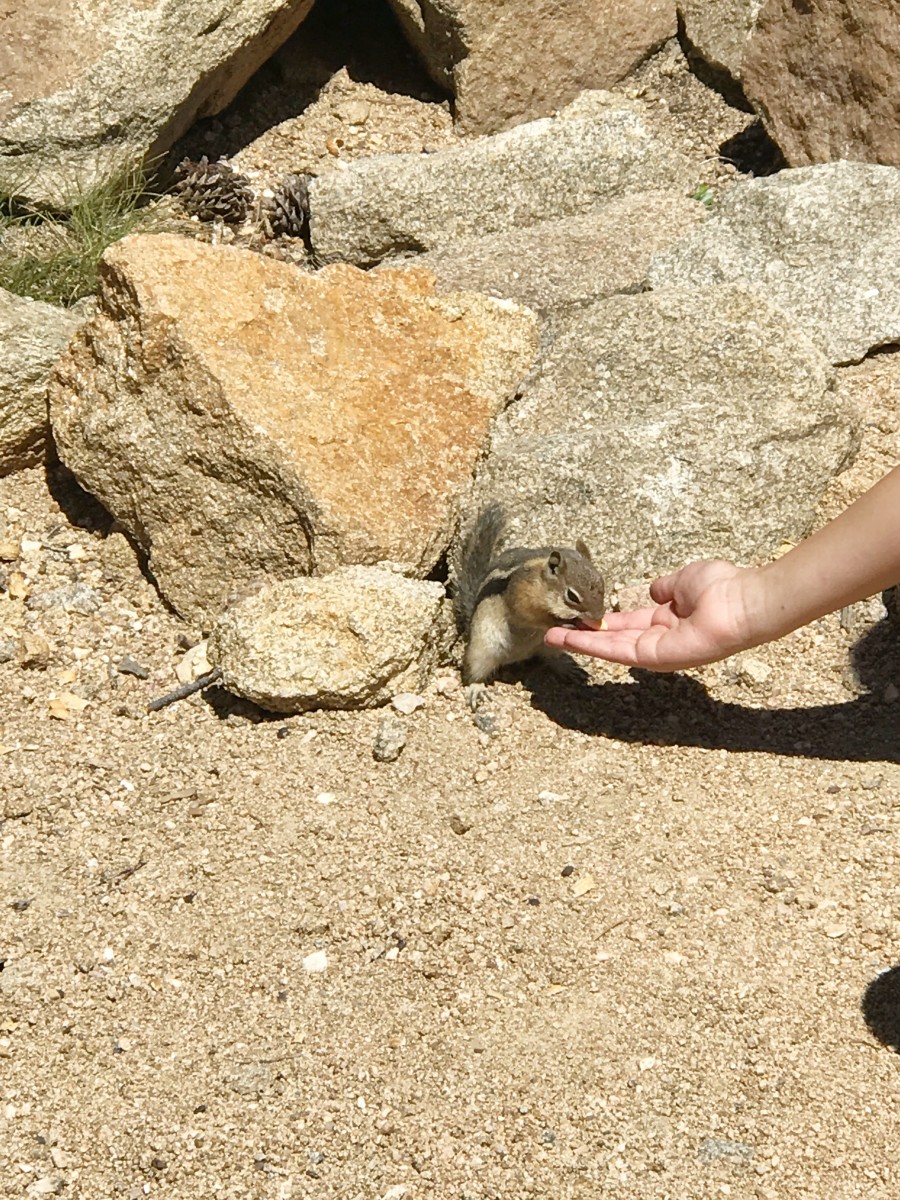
(583, 550)
(553, 562)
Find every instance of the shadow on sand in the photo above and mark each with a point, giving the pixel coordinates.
(675, 710)
(881, 1008)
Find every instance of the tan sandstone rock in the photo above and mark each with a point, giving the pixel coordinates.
(32, 337)
(825, 74)
(89, 88)
(243, 419)
(509, 62)
(350, 639)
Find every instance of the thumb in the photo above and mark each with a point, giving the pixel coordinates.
(662, 590)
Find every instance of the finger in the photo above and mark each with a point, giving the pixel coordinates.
(637, 618)
(662, 590)
(617, 647)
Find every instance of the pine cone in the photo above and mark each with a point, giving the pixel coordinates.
(286, 214)
(212, 191)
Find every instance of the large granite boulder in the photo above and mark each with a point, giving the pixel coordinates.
(89, 89)
(821, 242)
(825, 75)
(670, 426)
(512, 61)
(598, 150)
(32, 337)
(244, 419)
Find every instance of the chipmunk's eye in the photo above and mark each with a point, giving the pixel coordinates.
(573, 598)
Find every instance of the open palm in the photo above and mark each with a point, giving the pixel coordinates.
(701, 615)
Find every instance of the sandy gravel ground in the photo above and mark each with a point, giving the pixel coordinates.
(622, 948)
(642, 943)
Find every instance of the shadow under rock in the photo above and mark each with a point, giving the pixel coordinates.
(80, 508)
(228, 706)
(85, 511)
(880, 1007)
(676, 710)
(361, 35)
(752, 151)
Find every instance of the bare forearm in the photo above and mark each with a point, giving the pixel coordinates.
(709, 610)
(854, 556)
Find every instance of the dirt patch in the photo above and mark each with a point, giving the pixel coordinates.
(345, 86)
(621, 947)
(629, 946)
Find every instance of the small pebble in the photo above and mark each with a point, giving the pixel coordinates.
(712, 1149)
(192, 664)
(389, 740)
(459, 824)
(17, 807)
(315, 963)
(129, 666)
(754, 671)
(17, 586)
(486, 722)
(407, 702)
(34, 652)
(567, 870)
(77, 598)
(354, 112)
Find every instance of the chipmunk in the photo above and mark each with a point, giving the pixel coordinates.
(506, 603)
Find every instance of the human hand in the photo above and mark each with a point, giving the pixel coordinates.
(704, 612)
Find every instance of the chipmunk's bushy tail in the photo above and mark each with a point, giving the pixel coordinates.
(478, 549)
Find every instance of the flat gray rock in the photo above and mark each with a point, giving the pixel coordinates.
(88, 89)
(349, 639)
(569, 260)
(32, 337)
(555, 167)
(820, 242)
(670, 426)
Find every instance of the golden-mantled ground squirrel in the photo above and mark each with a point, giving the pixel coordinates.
(506, 603)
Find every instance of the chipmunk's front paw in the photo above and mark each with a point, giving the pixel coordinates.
(475, 695)
(565, 667)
